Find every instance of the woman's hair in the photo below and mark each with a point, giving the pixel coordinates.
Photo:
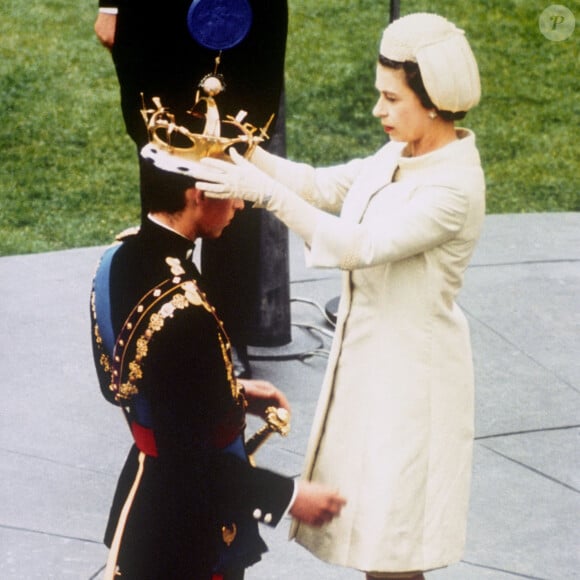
(415, 82)
(163, 191)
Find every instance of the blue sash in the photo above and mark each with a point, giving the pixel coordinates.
(103, 302)
(140, 411)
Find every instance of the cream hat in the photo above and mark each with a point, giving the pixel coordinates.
(445, 59)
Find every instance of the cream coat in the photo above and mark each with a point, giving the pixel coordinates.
(393, 430)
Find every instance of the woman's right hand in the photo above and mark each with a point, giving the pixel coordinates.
(316, 504)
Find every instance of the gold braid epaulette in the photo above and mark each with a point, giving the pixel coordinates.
(154, 308)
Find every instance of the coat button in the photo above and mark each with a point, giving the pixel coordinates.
(267, 518)
(257, 514)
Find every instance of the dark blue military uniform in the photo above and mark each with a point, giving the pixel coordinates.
(187, 502)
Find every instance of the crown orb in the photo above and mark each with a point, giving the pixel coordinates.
(212, 86)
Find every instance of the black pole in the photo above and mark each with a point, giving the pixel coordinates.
(395, 10)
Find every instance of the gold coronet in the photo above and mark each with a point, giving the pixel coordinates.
(165, 134)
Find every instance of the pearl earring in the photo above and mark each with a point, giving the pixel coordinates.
(432, 115)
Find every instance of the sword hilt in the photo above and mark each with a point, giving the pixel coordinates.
(277, 421)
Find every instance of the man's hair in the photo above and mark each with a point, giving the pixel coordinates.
(163, 191)
(415, 82)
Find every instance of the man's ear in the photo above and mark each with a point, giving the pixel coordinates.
(194, 195)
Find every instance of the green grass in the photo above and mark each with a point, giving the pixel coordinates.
(68, 172)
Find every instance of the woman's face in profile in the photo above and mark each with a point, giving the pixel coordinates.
(399, 109)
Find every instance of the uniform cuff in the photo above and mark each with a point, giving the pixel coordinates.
(292, 500)
(108, 10)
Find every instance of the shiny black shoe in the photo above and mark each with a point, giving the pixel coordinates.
(241, 362)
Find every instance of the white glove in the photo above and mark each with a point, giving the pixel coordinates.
(242, 180)
(239, 180)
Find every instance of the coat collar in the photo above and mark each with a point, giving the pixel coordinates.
(376, 173)
(164, 242)
(462, 151)
(379, 169)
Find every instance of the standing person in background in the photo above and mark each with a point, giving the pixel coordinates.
(188, 502)
(155, 55)
(394, 424)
